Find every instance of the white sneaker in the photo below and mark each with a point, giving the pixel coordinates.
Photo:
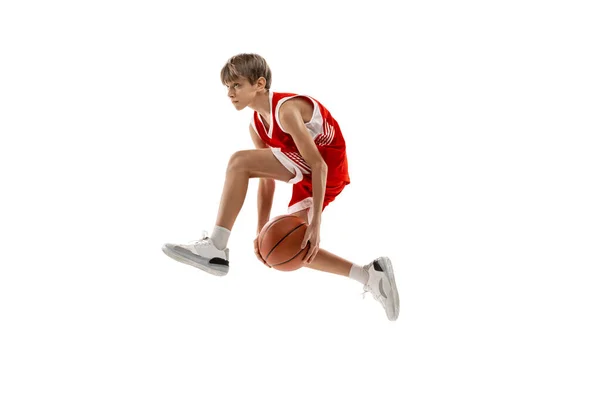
(382, 286)
(200, 254)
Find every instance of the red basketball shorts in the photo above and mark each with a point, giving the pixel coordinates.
(302, 193)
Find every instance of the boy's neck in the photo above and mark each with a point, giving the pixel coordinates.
(262, 104)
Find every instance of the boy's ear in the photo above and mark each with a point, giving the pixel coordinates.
(261, 82)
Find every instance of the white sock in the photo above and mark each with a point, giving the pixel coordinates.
(359, 274)
(220, 236)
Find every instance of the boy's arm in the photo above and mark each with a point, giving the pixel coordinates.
(291, 120)
(290, 116)
(266, 188)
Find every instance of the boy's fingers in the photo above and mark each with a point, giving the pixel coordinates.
(313, 253)
(305, 240)
(309, 255)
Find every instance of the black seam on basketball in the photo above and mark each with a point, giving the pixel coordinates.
(297, 254)
(270, 226)
(281, 240)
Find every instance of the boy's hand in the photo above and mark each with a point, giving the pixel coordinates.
(312, 235)
(258, 252)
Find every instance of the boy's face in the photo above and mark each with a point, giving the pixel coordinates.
(241, 92)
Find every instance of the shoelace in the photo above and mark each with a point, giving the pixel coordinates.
(376, 295)
(203, 241)
(364, 294)
(367, 289)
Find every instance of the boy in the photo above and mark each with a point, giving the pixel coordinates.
(299, 142)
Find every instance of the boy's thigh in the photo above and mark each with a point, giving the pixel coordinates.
(261, 163)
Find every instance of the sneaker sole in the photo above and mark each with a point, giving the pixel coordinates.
(178, 257)
(389, 272)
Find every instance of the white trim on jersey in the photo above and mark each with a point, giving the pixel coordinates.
(270, 130)
(314, 126)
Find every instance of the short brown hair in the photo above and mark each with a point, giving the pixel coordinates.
(249, 66)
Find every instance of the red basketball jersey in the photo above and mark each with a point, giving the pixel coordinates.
(323, 128)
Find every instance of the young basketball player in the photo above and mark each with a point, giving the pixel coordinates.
(297, 141)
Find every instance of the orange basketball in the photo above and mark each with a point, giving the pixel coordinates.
(279, 242)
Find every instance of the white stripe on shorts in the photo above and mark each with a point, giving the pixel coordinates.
(290, 165)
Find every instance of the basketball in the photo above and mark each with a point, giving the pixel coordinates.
(279, 242)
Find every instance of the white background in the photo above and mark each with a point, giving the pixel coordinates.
(472, 134)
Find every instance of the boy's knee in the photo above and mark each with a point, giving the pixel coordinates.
(237, 161)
